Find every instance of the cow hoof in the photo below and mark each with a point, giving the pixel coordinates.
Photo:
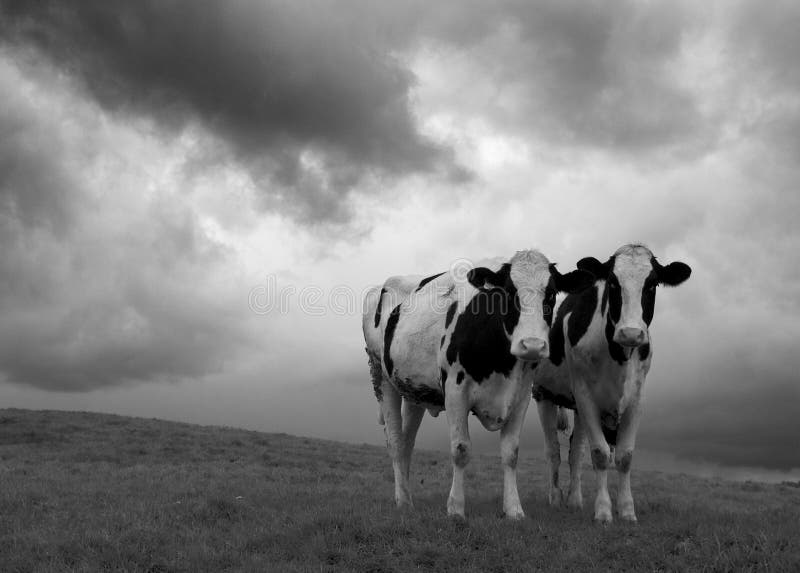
(575, 502)
(555, 497)
(404, 504)
(603, 516)
(455, 509)
(603, 521)
(626, 511)
(515, 514)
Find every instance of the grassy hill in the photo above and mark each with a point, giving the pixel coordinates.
(93, 492)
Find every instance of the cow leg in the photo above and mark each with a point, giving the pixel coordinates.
(456, 407)
(626, 442)
(509, 454)
(393, 428)
(577, 444)
(548, 416)
(412, 418)
(601, 452)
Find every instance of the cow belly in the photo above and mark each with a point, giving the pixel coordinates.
(416, 375)
(420, 392)
(493, 400)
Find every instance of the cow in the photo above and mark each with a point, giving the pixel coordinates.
(445, 343)
(600, 354)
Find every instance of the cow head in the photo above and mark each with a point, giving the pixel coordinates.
(524, 291)
(632, 275)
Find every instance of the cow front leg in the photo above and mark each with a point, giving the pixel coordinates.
(457, 409)
(509, 454)
(412, 418)
(393, 428)
(600, 450)
(626, 443)
(577, 445)
(548, 416)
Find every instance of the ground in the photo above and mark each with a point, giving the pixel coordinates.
(95, 492)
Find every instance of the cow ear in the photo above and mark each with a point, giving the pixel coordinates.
(574, 281)
(482, 278)
(592, 265)
(673, 274)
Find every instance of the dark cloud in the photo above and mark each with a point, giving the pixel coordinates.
(766, 40)
(601, 75)
(586, 74)
(33, 190)
(764, 44)
(96, 309)
(302, 93)
(100, 284)
(93, 310)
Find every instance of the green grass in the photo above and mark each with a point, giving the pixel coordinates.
(94, 492)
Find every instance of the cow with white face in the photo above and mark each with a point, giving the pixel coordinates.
(600, 353)
(463, 346)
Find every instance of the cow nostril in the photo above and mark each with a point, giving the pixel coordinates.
(530, 348)
(629, 336)
(533, 344)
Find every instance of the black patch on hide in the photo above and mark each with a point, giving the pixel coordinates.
(375, 373)
(419, 394)
(581, 308)
(379, 307)
(480, 341)
(426, 280)
(391, 325)
(451, 312)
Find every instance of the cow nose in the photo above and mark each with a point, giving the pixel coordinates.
(531, 349)
(629, 336)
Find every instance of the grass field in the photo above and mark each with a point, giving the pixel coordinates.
(94, 492)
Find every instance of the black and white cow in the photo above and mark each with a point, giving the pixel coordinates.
(600, 353)
(462, 346)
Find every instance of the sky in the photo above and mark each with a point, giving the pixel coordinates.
(195, 195)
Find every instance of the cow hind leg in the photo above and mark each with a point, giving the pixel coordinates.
(393, 428)
(548, 416)
(412, 418)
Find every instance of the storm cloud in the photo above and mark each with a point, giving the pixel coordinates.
(100, 281)
(301, 93)
(595, 75)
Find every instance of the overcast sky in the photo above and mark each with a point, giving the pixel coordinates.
(167, 169)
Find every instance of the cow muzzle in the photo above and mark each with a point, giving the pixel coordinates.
(630, 336)
(532, 349)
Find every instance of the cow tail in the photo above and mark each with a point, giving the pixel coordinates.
(562, 419)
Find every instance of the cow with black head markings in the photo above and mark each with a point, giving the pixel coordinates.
(600, 353)
(445, 343)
